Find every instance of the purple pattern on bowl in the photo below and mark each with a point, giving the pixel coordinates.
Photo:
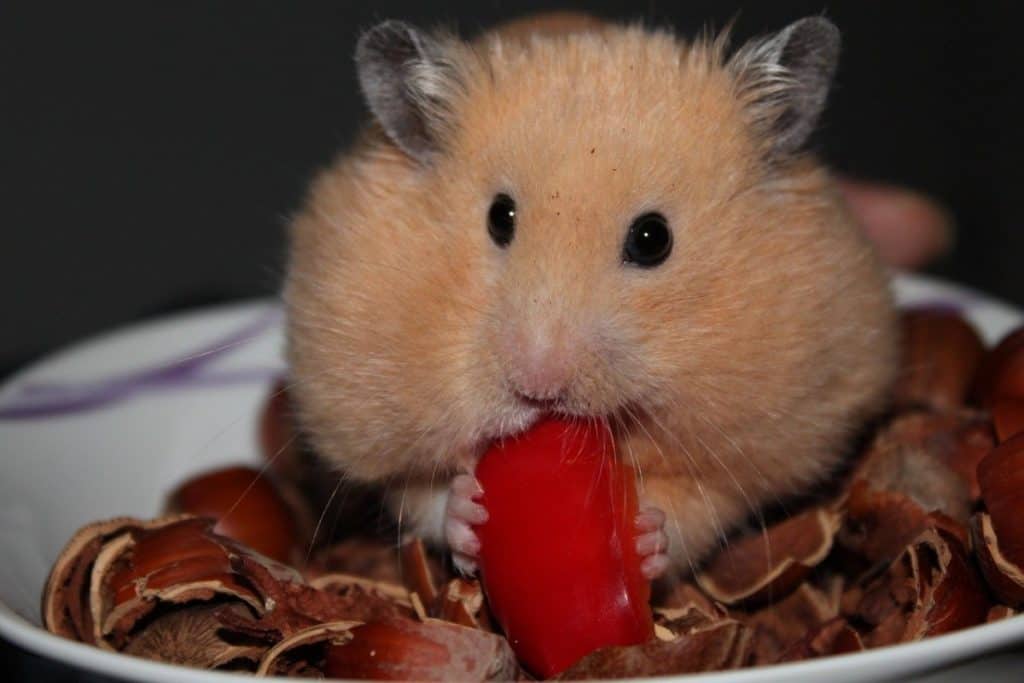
(49, 399)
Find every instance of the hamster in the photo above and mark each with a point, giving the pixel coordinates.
(590, 219)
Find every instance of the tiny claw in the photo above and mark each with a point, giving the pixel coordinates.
(649, 518)
(464, 565)
(652, 542)
(654, 566)
(461, 515)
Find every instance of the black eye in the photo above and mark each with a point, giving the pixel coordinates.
(648, 242)
(501, 220)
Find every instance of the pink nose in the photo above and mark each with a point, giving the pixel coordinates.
(541, 371)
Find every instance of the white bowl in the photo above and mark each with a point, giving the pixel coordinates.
(106, 427)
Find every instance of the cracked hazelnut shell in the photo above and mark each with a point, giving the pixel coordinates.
(1004, 577)
(720, 646)
(940, 353)
(833, 637)
(1001, 477)
(275, 660)
(755, 569)
(931, 589)
(778, 626)
(412, 650)
(1007, 416)
(248, 507)
(65, 604)
(1001, 372)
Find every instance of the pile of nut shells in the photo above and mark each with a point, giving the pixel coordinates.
(922, 535)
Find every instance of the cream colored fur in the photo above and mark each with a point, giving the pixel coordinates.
(736, 371)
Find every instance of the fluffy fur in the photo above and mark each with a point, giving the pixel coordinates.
(735, 372)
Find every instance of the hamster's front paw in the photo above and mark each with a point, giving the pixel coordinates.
(461, 514)
(651, 541)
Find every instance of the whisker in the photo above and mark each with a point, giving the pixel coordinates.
(320, 520)
(695, 472)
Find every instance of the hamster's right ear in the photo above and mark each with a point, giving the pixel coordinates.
(409, 79)
(785, 79)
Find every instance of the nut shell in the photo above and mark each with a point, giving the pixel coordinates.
(411, 650)
(931, 589)
(1001, 478)
(834, 637)
(941, 352)
(1003, 576)
(248, 507)
(761, 567)
(177, 561)
(461, 601)
(333, 633)
(1007, 416)
(1001, 372)
(778, 626)
(65, 604)
(724, 645)
(191, 636)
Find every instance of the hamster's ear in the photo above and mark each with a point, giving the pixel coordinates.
(784, 80)
(409, 79)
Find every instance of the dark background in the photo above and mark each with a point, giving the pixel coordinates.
(151, 153)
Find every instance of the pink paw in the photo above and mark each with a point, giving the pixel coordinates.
(461, 514)
(651, 541)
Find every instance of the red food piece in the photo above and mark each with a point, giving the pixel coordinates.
(558, 554)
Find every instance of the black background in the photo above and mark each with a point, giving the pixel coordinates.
(151, 152)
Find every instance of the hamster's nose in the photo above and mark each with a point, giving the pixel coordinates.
(540, 371)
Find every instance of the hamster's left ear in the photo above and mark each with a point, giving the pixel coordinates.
(409, 79)
(784, 80)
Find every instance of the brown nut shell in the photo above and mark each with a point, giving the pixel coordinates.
(461, 601)
(720, 646)
(1001, 478)
(1007, 416)
(412, 650)
(941, 353)
(192, 636)
(65, 608)
(274, 661)
(417, 572)
(999, 612)
(761, 567)
(369, 558)
(1001, 372)
(931, 458)
(339, 583)
(931, 589)
(779, 626)
(1003, 576)
(834, 637)
(177, 562)
(248, 507)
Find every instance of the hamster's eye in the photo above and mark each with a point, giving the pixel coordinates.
(501, 220)
(648, 242)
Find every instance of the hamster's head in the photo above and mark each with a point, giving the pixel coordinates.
(607, 222)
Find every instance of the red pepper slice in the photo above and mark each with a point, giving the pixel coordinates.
(558, 554)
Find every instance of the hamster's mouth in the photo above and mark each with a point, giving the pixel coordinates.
(524, 412)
